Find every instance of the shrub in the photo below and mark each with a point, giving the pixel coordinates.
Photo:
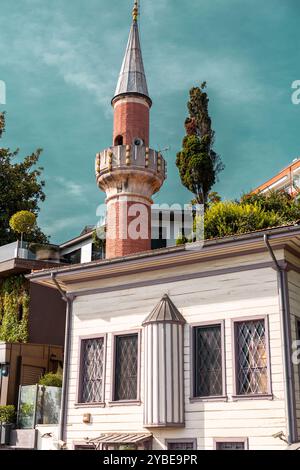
(280, 202)
(7, 414)
(51, 380)
(181, 240)
(230, 218)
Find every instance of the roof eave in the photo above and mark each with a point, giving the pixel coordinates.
(211, 247)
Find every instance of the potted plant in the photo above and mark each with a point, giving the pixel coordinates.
(51, 379)
(7, 415)
(45, 252)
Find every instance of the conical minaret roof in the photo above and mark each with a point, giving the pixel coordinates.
(132, 77)
(165, 312)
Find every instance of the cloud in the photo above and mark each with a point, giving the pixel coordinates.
(75, 63)
(71, 187)
(153, 10)
(69, 224)
(232, 78)
(56, 43)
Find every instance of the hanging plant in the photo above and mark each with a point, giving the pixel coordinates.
(14, 310)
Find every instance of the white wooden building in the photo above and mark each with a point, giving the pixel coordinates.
(184, 347)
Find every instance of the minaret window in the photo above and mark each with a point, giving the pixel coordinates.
(138, 142)
(119, 140)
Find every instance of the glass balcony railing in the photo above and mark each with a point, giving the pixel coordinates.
(38, 405)
(29, 251)
(15, 250)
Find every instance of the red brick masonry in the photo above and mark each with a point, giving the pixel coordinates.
(126, 237)
(131, 120)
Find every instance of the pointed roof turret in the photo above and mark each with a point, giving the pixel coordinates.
(165, 312)
(132, 79)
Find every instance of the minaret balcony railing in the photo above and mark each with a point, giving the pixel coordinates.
(130, 157)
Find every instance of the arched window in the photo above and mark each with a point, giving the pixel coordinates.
(119, 140)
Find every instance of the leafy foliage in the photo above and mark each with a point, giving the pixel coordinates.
(197, 162)
(51, 380)
(20, 189)
(253, 212)
(214, 197)
(7, 414)
(14, 310)
(181, 240)
(230, 218)
(278, 201)
(99, 238)
(22, 222)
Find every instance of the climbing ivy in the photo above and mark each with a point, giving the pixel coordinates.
(14, 310)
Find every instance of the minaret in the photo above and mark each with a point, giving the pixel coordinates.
(130, 172)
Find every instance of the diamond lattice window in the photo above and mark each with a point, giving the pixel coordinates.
(208, 361)
(230, 446)
(252, 360)
(180, 445)
(126, 367)
(92, 370)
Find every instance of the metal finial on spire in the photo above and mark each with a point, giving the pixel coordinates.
(135, 11)
(132, 77)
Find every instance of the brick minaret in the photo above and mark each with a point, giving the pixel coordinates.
(130, 172)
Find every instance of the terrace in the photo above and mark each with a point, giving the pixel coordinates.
(17, 258)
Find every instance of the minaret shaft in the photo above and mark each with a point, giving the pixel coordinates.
(131, 120)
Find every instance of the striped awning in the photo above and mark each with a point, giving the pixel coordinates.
(121, 438)
(295, 446)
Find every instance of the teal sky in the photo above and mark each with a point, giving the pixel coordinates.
(60, 60)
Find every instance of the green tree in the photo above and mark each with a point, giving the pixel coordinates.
(198, 164)
(23, 222)
(20, 190)
(214, 197)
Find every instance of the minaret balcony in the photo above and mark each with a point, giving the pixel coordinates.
(130, 158)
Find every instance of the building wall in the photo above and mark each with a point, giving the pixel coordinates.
(287, 180)
(27, 363)
(251, 292)
(47, 316)
(86, 252)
